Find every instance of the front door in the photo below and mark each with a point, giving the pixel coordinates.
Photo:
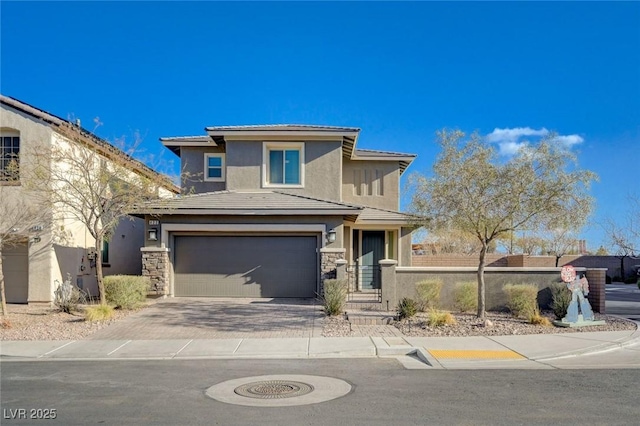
(372, 253)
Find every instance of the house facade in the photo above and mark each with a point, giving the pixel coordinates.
(42, 256)
(271, 210)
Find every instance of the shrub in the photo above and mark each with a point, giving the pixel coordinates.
(407, 308)
(126, 291)
(538, 319)
(5, 324)
(560, 299)
(67, 296)
(630, 280)
(522, 299)
(465, 296)
(429, 293)
(335, 296)
(438, 318)
(98, 313)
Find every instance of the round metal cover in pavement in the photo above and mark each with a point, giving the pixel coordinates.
(272, 389)
(279, 390)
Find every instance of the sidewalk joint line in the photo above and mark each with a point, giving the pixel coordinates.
(238, 347)
(60, 347)
(180, 350)
(119, 347)
(507, 347)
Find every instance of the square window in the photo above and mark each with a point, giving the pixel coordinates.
(9, 158)
(214, 167)
(284, 164)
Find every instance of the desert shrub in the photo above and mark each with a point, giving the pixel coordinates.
(335, 296)
(560, 299)
(522, 299)
(126, 291)
(98, 313)
(437, 318)
(538, 319)
(407, 308)
(5, 324)
(465, 296)
(67, 296)
(429, 293)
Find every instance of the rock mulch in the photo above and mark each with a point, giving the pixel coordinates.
(502, 324)
(45, 323)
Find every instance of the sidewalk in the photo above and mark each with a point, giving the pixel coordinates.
(413, 352)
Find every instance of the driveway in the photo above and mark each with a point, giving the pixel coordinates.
(209, 318)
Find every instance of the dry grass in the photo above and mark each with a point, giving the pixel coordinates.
(98, 313)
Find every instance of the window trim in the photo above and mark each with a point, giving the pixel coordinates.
(267, 147)
(223, 167)
(17, 179)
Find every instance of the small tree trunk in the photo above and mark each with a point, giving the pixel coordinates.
(103, 296)
(2, 291)
(557, 260)
(481, 290)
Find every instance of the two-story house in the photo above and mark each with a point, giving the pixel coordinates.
(272, 208)
(41, 256)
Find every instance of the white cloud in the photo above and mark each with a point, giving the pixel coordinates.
(569, 140)
(510, 141)
(512, 135)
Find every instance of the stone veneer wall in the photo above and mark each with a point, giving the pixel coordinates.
(155, 265)
(328, 258)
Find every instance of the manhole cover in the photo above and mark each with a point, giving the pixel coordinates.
(273, 389)
(283, 390)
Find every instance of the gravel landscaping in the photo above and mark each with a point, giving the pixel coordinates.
(502, 324)
(45, 323)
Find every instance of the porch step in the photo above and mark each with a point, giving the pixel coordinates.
(371, 317)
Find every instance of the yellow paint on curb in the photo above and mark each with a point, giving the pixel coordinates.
(473, 354)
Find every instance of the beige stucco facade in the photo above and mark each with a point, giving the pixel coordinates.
(64, 244)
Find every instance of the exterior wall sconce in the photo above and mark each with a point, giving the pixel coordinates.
(35, 240)
(331, 236)
(153, 234)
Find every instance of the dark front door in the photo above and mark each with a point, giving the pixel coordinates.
(372, 253)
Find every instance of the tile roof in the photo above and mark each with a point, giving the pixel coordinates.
(285, 127)
(248, 203)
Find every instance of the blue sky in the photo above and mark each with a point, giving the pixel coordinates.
(399, 71)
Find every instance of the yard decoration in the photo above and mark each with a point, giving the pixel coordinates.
(579, 288)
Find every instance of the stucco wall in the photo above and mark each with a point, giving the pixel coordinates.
(495, 280)
(322, 172)
(390, 183)
(34, 135)
(192, 161)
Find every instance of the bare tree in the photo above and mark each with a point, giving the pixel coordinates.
(474, 190)
(451, 242)
(559, 242)
(94, 183)
(624, 235)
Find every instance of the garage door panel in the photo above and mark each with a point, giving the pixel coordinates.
(245, 266)
(15, 264)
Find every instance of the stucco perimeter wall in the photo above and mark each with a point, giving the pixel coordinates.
(495, 280)
(611, 263)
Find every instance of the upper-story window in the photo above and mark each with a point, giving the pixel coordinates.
(283, 164)
(214, 167)
(9, 157)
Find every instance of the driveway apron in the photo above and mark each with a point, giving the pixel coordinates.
(209, 318)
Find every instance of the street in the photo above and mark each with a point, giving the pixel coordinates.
(383, 393)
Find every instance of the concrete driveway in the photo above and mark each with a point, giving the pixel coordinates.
(211, 318)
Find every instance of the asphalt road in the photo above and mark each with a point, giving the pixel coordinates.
(623, 300)
(384, 393)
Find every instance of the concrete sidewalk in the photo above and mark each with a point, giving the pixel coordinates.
(530, 351)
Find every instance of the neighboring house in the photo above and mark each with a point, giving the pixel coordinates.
(33, 267)
(272, 209)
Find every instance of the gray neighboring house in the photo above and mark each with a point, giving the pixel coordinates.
(272, 209)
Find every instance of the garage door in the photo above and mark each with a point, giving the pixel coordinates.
(15, 265)
(245, 266)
